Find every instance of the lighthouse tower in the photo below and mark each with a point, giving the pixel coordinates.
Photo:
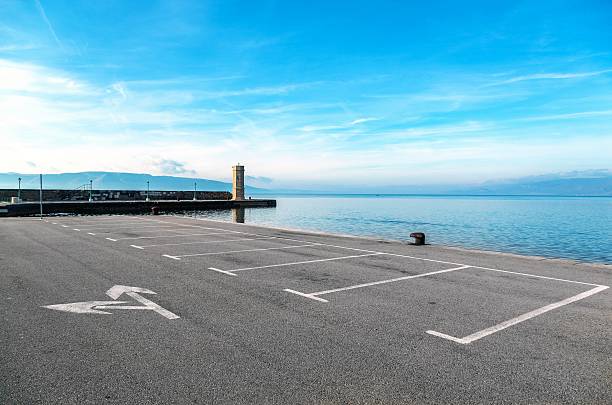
(238, 182)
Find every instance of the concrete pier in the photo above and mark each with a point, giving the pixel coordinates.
(125, 207)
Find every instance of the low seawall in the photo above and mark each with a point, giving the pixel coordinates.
(124, 207)
(33, 195)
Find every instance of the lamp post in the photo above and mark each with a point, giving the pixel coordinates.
(41, 198)
(19, 190)
(147, 191)
(195, 190)
(90, 190)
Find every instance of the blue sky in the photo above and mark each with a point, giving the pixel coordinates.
(307, 94)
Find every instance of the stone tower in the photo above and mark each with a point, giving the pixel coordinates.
(238, 182)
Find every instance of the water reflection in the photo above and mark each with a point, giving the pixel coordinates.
(238, 215)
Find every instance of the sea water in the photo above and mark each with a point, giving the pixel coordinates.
(560, 227)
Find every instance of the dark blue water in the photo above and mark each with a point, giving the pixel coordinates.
(561, 227)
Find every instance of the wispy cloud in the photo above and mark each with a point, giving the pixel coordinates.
(569, 116)
(551, 76)
(363, 120)
(49, 25)
(348, 125)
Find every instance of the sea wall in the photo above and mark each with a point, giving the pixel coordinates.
(111, 195)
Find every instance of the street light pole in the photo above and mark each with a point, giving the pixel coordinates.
(147, 190)
(41, 198)
(19, 190)
(195, 190)
(90, 190)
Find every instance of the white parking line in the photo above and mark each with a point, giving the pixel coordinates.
(171, 257)
(128, 230)
(167, 236)
(245, 250)
(134, 226)
(501, 326)
(312, 297)
(102, 224)
(222, 271)
(392, 280)
(304, 262)
(209, 241)
(89, 233)
(78, 230)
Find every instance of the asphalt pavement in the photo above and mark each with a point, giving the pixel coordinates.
(163, 309)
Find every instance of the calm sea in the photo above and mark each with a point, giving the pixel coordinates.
(561, 227)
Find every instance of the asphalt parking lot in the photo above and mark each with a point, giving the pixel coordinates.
(158, 309)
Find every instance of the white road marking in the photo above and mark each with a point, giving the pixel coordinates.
(54, 223)
(536, 275)
(89, 233)
(209, 241)
(312, 297)
(96, 307)
(103, 225)
(64, 226)
(171, 236)
(501, 326)
(171, 257)
(132, 229)
(113, 228)
(111, 239)
(305, 262)
(392, 280)
(116, 291)
(136, 246)
(246, 250)
(222, 271)
(87, 307)
(78, 230)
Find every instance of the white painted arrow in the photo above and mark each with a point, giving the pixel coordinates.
(116, 291)
(95, 307)
(87, 307)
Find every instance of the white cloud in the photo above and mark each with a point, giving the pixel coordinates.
(551, 76)
(49, 25)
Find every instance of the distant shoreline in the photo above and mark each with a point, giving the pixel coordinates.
(429, 195)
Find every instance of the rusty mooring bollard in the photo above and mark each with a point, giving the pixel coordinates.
(155, 210)
(419, 238)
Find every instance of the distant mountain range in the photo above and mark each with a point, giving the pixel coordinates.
(115, 181)
(583, 183)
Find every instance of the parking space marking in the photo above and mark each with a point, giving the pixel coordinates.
(132, 226)
(312, 297)
(89, 233)
(222, 271)
(245, 250)
(501, 326)
(167, 236)
(132, 229)
(303, 262)
(93, 225)
(537, 275)
(204, 242)
(392, 280)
